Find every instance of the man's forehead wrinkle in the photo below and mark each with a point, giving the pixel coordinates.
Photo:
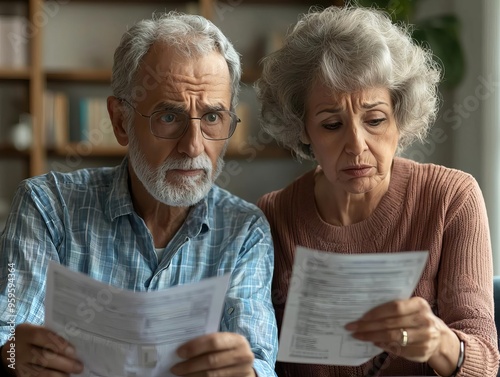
(191, 83)
(169, 76)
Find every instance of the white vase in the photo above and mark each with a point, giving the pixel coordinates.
(21, 134)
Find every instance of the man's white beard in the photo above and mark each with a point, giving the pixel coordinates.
(178, 191)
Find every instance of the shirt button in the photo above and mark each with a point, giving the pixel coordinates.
(230, 311)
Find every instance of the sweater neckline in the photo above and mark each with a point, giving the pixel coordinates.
(386, 213)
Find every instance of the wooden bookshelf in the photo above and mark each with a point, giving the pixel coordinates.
(38, 79)
(84, 149)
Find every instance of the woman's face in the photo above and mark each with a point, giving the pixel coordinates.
(354, 137)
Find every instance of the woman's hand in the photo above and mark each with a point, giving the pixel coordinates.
(41, 352)
(409, 329)
(223, 353)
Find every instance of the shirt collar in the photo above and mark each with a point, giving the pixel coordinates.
(119, 199)
(120, 203)
(198, 220)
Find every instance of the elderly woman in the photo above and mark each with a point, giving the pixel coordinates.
(349, 89)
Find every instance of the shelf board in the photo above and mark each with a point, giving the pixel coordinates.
(86, 150)
(8, 151)
(80, 75)
(14, 73)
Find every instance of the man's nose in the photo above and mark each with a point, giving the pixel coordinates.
(191, 143)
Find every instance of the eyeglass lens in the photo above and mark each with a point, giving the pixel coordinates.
(218, 125)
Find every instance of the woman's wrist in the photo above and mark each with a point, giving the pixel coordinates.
(448, 356)
(461, 359)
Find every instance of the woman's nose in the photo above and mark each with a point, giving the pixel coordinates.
(355, 142)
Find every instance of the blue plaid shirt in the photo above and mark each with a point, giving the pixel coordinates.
(86, 221)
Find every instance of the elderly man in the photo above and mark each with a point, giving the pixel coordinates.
(157, 220)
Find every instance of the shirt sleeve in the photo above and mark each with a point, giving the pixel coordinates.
(465, 281)
(248, 309)
(26, 246)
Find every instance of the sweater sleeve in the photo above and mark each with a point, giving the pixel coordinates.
(465, 288)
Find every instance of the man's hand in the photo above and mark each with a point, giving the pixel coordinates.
(222, 354)
(41, 353)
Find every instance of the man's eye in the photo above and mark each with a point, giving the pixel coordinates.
(168, 117)
(212, 117)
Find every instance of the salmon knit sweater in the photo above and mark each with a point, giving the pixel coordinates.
(426, 207)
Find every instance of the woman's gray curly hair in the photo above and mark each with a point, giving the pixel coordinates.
(349, 49)
(190, 35)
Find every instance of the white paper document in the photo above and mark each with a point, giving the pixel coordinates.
(329, 290)
(119, 333)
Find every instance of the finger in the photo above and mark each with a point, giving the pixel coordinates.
(414, 337)
(389, 323)
(220, 361)
(211, 343)
(397, 308)
(44, 358)
(42, 337)
(423, 321)
(30, 370)
(37, 371)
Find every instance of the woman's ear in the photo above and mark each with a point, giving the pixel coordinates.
(117, 117)
(306, 143)
(304, 137)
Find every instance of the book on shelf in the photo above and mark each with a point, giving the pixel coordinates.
(95, 125)
(13, 42)
(55, 119)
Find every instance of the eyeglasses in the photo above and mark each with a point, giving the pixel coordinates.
(167, 124)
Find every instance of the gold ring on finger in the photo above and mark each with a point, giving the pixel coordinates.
(404, 338)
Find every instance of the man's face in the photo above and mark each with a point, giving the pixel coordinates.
(178, 172)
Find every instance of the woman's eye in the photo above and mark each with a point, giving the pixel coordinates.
(332, 125)
(376, 122)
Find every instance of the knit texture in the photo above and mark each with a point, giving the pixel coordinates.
(427, 207)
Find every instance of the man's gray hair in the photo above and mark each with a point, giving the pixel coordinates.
(190, 35)
(349, 49)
